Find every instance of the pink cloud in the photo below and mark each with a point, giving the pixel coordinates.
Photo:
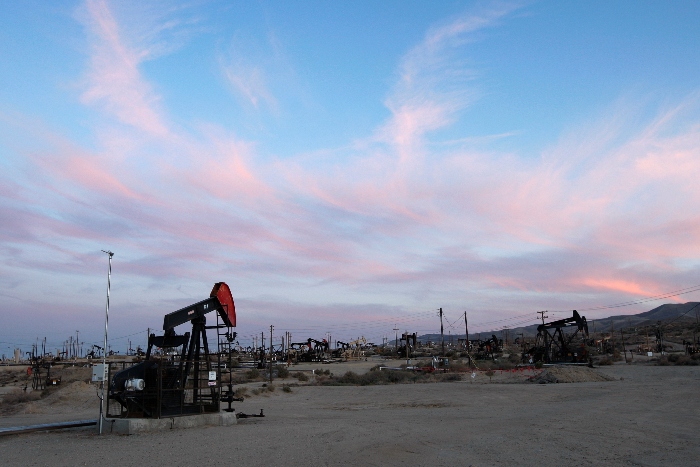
(223, 167)
(606, 212)
(114, 80)
(626, 287)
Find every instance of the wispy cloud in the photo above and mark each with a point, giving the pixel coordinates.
(247, 67)
(114, 80)
(434, 82)
(397, 219)
(249, 81)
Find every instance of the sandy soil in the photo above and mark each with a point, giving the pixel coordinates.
(622, 415)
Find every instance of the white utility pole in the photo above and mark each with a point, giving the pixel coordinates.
(104, 349)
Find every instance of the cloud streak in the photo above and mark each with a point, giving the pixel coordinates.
(114, 80)
(396, 220)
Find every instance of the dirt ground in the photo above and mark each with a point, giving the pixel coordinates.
(618, 415)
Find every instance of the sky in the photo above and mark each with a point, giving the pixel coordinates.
(347, 168)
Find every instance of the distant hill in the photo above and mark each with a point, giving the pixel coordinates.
(664, 313)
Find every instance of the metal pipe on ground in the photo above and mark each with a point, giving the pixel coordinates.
(16, 430)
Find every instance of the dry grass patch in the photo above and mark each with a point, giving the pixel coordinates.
(15, 400)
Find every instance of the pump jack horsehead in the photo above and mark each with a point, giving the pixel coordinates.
(173, 383)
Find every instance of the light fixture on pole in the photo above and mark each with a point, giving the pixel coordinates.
(104, 348)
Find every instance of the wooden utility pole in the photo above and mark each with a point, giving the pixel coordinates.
(466, 330)
(542, 315)
(442, 335)
(271, 327)
(408, 349)
(697, 326)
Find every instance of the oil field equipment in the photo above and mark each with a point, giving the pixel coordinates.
(40, 371)
(487, 348)
(355, 349)
(310, 351)
(437, 364)
(408, 344)
(554, 344)
(172, 382)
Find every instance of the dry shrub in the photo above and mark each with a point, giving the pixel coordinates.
(458, 366)
(13, 401)
(605, 361)
(19, 396)
(70, 374)
(505, 364)
(679, 359)
(300, 376)
(252, 374)
(374, 377)
(9, 375)
(264, 389)
(286, 388)
(282, 371)
(446, 377)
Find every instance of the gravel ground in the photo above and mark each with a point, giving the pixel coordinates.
(645, 415)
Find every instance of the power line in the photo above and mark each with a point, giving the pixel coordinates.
(687, 290)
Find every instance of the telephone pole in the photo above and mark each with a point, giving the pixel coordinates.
(466, 330)
(271, 327)
(542, 315)
(697, 325)
(442, 334)
(408, 351)
(396, 342)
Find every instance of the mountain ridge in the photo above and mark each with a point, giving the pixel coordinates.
(665, 314)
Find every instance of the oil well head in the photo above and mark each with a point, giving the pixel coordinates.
(181, 379)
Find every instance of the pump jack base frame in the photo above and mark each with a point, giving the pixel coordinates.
(131, 426)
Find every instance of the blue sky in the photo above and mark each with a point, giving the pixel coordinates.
(344, 166)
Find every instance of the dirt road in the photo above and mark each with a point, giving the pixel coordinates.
(648, 415)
